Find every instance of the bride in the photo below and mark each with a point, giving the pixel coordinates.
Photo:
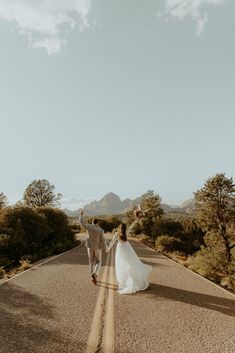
(132, 274)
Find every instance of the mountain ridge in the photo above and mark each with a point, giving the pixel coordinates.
(111, 204)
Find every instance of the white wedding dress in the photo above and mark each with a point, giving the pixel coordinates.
(132, 274)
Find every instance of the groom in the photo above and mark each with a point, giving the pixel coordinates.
(95, 243)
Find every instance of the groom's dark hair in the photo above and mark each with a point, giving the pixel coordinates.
(94, 220)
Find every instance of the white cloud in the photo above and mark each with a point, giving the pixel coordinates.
(46, 23)
(194, 9)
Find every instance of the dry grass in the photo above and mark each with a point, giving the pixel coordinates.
(24, 265)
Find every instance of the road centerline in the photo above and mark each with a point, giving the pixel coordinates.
(95, 338)
(108, 334)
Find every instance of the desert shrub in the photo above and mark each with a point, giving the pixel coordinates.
(107, 223)
(5, 249)
(26, 229)
(59, 235)
(30, 234)
(169, 244)
(2, 272)
(75, 226)
(185, 235)
(183, 227)
(210, 263)
(169, 226)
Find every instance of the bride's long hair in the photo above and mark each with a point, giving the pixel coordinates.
(122, 232)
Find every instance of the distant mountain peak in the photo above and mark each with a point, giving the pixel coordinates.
(111, 204)
(111, 196)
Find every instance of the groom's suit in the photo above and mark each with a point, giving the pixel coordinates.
(95, 243)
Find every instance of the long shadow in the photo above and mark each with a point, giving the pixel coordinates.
(154, 264)
(76, 256)
(222, 305)
(26, 324)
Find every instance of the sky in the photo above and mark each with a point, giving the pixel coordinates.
(121, 96)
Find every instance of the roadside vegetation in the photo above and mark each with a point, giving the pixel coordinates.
(203, 241)
(33, 228)
(107, 223)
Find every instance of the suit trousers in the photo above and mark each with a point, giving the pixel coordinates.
(95, 258)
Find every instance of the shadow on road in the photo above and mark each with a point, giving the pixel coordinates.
(154, 264)
(222, 305)
(26, 324)
(76, 256)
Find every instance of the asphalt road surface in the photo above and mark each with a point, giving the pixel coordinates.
(54, 307)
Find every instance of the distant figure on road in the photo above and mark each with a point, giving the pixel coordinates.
(95, 243)
(132, 274)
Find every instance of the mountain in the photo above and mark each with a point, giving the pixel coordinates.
(188, 206)
(108, 205)
(111, 204)
(167, 208)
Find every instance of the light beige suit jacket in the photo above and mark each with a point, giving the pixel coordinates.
(96, 238)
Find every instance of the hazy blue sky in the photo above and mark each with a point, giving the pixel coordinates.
(121, 96)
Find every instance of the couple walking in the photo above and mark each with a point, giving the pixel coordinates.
(131, 273)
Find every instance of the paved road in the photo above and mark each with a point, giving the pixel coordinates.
(55, 308)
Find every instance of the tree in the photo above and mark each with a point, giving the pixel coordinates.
(59, 235)
(41, 193)
(33, 233)
(151, 203)
(215, 211)
(3, 200)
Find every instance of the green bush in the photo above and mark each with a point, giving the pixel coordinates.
(107, 223)
(31, 234)
(60, 236)
(5, 248)
(26, 229)
(169, 226)
(2, 273)
(210, 263)
(75, 226)
(169, 244)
